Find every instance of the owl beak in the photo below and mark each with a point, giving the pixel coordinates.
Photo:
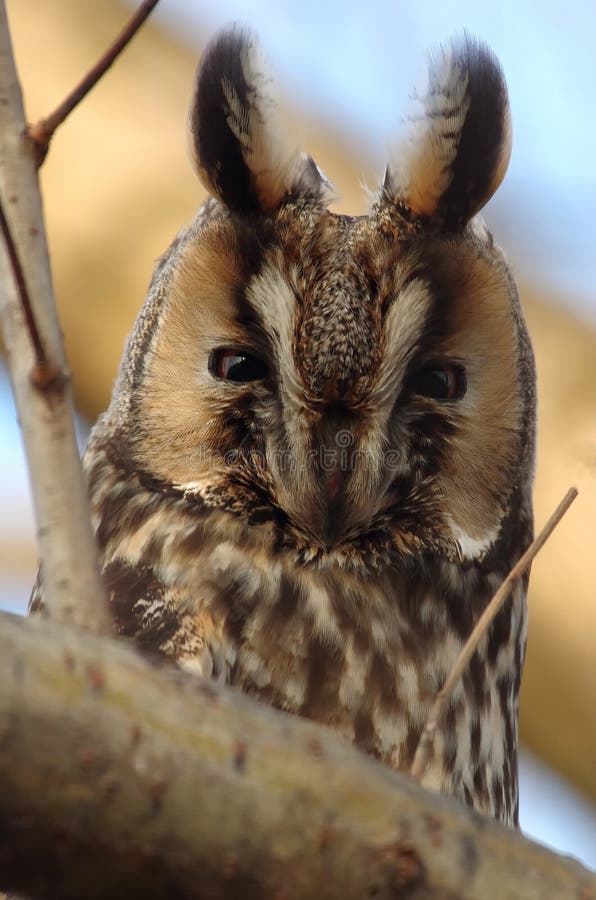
(332, 523)
(334, 481)
(336, 463)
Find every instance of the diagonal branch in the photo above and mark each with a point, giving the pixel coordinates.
(39, 374)
(45, 376)
(427, 738)
(42, 132)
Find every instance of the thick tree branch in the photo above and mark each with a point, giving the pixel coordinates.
(73, 590)
(41, 132)
(120, 779)
(439, 707)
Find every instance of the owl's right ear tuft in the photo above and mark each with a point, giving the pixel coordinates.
(238, 148)
(456, 151)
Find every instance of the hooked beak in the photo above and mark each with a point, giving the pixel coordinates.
(335, 465)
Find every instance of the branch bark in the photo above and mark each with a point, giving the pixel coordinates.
(73, 591)
(120, 779)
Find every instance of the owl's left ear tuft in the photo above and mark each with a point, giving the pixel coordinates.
(238, 147)
(457, 149)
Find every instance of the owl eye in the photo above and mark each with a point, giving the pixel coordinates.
(439, 382)
(236, 365)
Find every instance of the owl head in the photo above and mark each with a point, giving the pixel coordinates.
(345, 383)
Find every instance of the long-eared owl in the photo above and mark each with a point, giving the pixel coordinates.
(316, 466)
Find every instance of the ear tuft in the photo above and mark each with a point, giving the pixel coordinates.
(238, 148)
(457, 150)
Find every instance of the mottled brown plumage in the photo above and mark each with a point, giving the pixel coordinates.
(316, 466)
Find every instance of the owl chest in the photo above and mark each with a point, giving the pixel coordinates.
(360, 657)
(326, 645)
(365, 655)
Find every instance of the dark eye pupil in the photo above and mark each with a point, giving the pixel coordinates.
(235, 365)
(439, 382)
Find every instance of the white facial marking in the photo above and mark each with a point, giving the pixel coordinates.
(469, 547)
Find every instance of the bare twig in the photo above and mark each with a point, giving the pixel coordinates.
(40, 353)
(38, 371)
(42, 132)
(426, 742)
(45, 376)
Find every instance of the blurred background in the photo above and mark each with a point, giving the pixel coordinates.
(117, 187)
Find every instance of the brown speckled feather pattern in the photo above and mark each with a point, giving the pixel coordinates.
(324, 532)
(362, 649)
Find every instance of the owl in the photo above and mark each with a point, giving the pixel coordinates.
(316, 465)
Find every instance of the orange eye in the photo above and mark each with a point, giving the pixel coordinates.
(439, 382)
(236, 365)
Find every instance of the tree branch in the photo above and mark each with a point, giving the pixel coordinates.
(31, 334)
(152, 783)
(45, 376)
(427, 738)
(41, 132)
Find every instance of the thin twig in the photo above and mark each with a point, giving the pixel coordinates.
(45, 376)
(41, 132)
(426, 742)
(15, 262)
